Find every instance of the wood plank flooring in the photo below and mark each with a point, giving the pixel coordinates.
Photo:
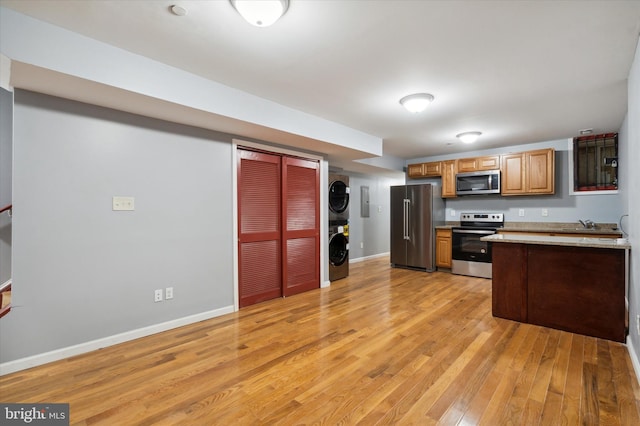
(384, 346)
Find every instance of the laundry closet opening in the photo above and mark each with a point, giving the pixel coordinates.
(278, 225)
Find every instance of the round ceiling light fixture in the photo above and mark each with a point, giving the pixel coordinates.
(178, 10)
(468, 137)
(261, 13)
(417, 102)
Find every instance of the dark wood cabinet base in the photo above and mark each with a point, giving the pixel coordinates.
(575, 289)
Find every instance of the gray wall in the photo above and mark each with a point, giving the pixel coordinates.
(6, 140)
(82, 271)
(372, 231)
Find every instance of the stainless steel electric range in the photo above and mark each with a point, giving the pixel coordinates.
(471, 256)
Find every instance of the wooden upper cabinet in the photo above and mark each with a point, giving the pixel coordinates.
(527, 173)
(512, 179)
(522, 173)
(415, 170)
(540, 167)
(491, 162)
(432, 169)
(419, 170)
(449, 171)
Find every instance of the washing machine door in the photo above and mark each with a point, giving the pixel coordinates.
(338, 249)
(338, 196)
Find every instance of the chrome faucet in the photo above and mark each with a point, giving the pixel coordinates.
(587, 224)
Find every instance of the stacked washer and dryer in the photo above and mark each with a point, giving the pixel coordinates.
(338, 227)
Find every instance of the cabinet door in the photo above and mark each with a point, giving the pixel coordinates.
(432, 169)
(467, 165)
(491, 162)
(540, 166)
(449, 171)
(415, 170)
(488, 163)
(513, 174)
(509, 281)
(443, 248)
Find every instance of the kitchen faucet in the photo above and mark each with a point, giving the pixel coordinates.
(587, 224)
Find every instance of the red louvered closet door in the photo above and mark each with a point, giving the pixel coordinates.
(301, 225)
(279, 226)
(259, 232)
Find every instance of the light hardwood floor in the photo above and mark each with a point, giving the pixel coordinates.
(384, 346)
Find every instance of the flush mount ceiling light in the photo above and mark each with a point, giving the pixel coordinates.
(178, 10)
(417, 102)
(261, 13)
(468, 137)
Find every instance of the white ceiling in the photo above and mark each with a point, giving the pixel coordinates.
(518, 71)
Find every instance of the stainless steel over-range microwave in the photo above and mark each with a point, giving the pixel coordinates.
(483, 182)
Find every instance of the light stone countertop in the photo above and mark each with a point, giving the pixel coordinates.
(561, 228)
(550, 227)
(611, 243)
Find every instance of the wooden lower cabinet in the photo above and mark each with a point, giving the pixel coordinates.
(575, 289)
(443, 248)
(508, 281)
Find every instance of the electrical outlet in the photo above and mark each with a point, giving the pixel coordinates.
(521, 212)
(123, 203)
(453, 212)
(638, 323)
(168, 293)
(545, 212)
(361, 244)
(157, 297)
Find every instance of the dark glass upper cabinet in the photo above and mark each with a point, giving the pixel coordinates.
(595, 162)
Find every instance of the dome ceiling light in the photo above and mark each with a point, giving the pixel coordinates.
(261, 13)
(178, 10)
(417, 102)
(468, 137)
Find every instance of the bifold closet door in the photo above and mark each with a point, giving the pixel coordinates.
(278, 226)
(259, 227)
(301, 225)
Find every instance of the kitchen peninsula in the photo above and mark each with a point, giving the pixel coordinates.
(569, 283)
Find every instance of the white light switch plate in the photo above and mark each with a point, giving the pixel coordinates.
(123, 204)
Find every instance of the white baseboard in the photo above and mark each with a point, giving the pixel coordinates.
(58, 354)
(362, 259)
(634, 358)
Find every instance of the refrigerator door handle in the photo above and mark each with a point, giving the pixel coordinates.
(406, 218)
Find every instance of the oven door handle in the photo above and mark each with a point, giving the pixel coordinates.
(472, 231)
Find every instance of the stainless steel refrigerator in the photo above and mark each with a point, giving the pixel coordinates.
(415, 212)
